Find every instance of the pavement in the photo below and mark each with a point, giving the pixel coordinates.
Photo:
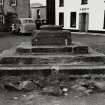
(80, 33)
(88, 33)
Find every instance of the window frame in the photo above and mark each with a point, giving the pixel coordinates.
(61, 3)
(61, 23)
(72, 20)
(104, 21)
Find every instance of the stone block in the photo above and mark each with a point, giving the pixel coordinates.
(51, 37)
(52, 50)
(80, 50)
(9, 60)
(23, 50)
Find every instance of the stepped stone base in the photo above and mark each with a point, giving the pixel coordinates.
(73, 49)
(15, 60)
(52, 47)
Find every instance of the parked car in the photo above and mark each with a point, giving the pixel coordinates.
(23, 25)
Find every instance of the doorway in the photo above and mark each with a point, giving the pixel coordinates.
(83, 22)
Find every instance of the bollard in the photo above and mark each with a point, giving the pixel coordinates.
(66, 42)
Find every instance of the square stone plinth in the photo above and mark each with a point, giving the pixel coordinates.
(51, 37)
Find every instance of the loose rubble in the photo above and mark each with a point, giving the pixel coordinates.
(55, 84)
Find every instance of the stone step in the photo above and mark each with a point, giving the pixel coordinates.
(57, 59)
(71, 49)
(62, 68)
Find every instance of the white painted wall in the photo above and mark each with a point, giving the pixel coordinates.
(95, 8)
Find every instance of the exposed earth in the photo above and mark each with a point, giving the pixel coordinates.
(8, 40)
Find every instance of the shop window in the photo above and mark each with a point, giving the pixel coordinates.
(13, 2)
(61, 3)
(73, 19)
(84, 1)
(1, 2)
(61, 19)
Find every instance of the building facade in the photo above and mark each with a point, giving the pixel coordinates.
(38, 11)
(12, 9)
(81, 15)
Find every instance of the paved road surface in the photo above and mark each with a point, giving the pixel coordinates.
(97, 42)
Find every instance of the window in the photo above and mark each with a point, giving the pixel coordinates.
(84, 2)
(13, 2)
(73, 19)
(104, 20)
(1, 2)
(61, 3)
(61, 19)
